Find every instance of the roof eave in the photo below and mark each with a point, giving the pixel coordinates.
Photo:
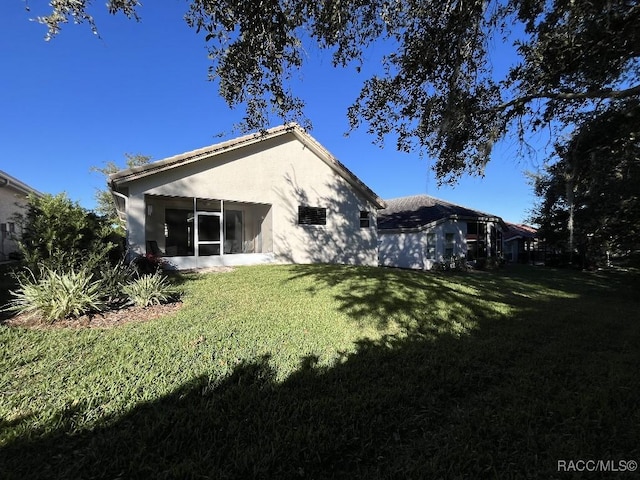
(434, 223)
(21, 187)
(338, 166)
(136, 173)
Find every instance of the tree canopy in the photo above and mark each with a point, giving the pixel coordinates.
(589, 199)
(438, 89)
(105, 205)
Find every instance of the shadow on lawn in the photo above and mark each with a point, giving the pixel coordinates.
(481, 405)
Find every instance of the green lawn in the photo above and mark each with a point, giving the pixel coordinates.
(331, 371)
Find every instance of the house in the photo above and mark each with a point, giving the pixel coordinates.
(275, 196)
(13, 201)
(420, 230)
(520, 243)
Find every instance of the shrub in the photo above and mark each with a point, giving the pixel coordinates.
(150, 289)
(148, 264)
(57, 295)
(112, 280)
(60, 234)
(454, 263)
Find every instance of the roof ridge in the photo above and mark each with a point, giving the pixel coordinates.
(437, 199)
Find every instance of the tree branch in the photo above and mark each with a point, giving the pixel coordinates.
(602, 93)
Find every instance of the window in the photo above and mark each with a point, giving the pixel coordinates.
(448, 245)
(312, 215)
(364, 219)
(178, 232)
(12, 227)
(431, 246)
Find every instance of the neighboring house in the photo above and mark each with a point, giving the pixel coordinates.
(520, 243)
(418, 231)
(276, 196)
(13, 201)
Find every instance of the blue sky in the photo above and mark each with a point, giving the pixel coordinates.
(79, 101)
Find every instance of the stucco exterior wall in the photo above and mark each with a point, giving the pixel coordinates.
(410, 249)
(11, 203)
(283, 173)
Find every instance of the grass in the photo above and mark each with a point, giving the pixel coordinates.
(329, 371)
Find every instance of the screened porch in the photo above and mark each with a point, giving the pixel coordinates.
(200, 232)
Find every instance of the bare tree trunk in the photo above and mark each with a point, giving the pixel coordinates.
(570, 191)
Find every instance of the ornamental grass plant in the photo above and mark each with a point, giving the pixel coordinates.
(57, 294)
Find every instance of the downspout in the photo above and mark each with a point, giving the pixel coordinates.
(125, 199)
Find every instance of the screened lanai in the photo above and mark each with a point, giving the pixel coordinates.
(199, 232)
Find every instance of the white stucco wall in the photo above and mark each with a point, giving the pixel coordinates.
(410, 249)
(281, 172)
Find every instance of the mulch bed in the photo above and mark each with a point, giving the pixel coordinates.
(110, 319)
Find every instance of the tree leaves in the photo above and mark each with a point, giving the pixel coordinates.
(105, 205)
(436, 91)
(598, 172)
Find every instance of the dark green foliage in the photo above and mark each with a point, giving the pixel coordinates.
(593, 188)
(71, 264)
(147, 264)
(58, 233)
(113, 278)
(440, 85)
(8, 282)
(66, 10)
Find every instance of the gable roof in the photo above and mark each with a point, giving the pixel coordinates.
(8, 181)
(519, 230)
(294, 129)
(417, 212)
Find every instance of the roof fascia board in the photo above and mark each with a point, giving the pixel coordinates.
(435, 223)
(419, 229)
(9, 181)
(136, 173)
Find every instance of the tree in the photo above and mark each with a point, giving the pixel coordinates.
(589, 198)
(105, 205)
(59, 233)
(438, 90)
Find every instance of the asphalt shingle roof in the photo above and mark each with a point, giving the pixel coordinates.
(520, 230)
(419, 210)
